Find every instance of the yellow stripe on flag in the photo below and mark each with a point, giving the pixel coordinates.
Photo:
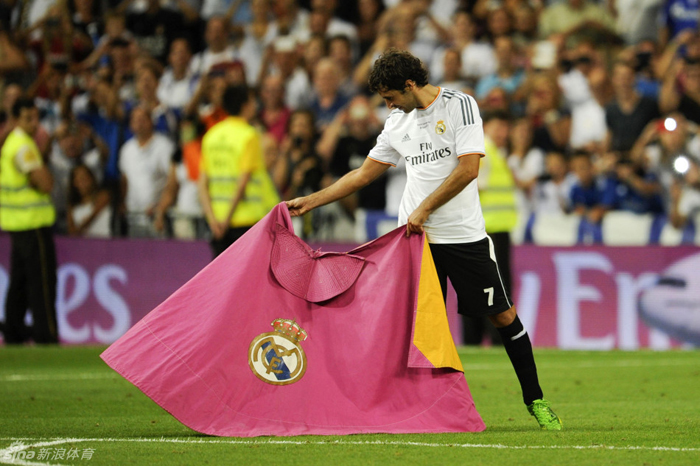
(432, 331)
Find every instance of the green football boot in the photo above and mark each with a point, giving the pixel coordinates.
(544, 415)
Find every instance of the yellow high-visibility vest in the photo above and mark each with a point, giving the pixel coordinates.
(229, 149)
(22, 207)
(498, 197)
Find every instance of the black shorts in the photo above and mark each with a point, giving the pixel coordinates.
(474, 274)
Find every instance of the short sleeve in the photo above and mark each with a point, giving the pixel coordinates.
(27, 159)
(467, 124)
(383, 152)
(252, 155)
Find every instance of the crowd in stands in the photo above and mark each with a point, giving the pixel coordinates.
(595, 105)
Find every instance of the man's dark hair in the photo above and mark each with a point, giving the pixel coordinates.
(22, 102)
(393, 68)
(235, 96)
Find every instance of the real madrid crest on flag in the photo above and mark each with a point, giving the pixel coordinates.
(440, 128)
(277, 357)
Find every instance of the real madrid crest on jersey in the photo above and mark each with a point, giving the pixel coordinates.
(440, 128)
(277, 357)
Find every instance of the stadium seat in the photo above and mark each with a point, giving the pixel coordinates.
(622, 228)
(553, 229)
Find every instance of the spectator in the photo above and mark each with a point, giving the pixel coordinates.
(274, 114)
(53, 93)
(327, 99)
(526, 163)
(68, 151)
(662, 142)
(573, 16)
(177, 85)
(258, 35)
(524, 26)
(591, 195)
(552, 191)
(179, 209)
(164, 119)
(585, 88)
(315, 49)
(299, 168)
(89, 208)
(285, 58)
(685, 197)
(114, 28)
(676, 17)
(144, 162)
(637, 190)
(340, 51)
(56, 39)
(87, 19)
(104, 115)
(218, 50)
(508, 75)
(345, 144)
(638, 21)
(498, 23)
(14, 59)
(550, 121)
(452, 72)
(207, 103)
(681, 89)
(478, 58)
(155, 28)
(368, 25)
(628, 113)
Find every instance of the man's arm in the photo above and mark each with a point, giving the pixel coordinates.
(240, 192)
(461, 176)
(348, 184)
(41, 179)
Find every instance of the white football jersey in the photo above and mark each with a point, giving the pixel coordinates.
(431, 140)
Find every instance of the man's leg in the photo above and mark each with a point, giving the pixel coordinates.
(41, 283)
(15, 332)
(519, 348)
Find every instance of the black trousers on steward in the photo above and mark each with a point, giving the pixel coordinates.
(32, 285)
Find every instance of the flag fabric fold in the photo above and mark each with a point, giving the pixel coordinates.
(273, 338)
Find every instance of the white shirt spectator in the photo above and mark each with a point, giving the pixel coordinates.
(176, 94)
(525, 170)
(146, 171)
(204, 60)
(552, 198)
(100, 226)
(187, 195)
(587, 116)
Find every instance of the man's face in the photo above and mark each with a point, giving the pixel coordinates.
(28, 120)
(403, 100)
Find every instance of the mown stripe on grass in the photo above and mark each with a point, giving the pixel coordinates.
(53, 376)
(9, 455)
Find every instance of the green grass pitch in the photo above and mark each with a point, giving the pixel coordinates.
(63, 405)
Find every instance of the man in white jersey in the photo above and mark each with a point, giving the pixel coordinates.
(439, 134)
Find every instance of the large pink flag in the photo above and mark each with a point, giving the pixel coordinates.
(273, 338)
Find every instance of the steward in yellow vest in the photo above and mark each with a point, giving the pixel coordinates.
(27, 213)
(234, 187)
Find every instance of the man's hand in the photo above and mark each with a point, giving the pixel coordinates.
(416, 220)
(299, 206)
